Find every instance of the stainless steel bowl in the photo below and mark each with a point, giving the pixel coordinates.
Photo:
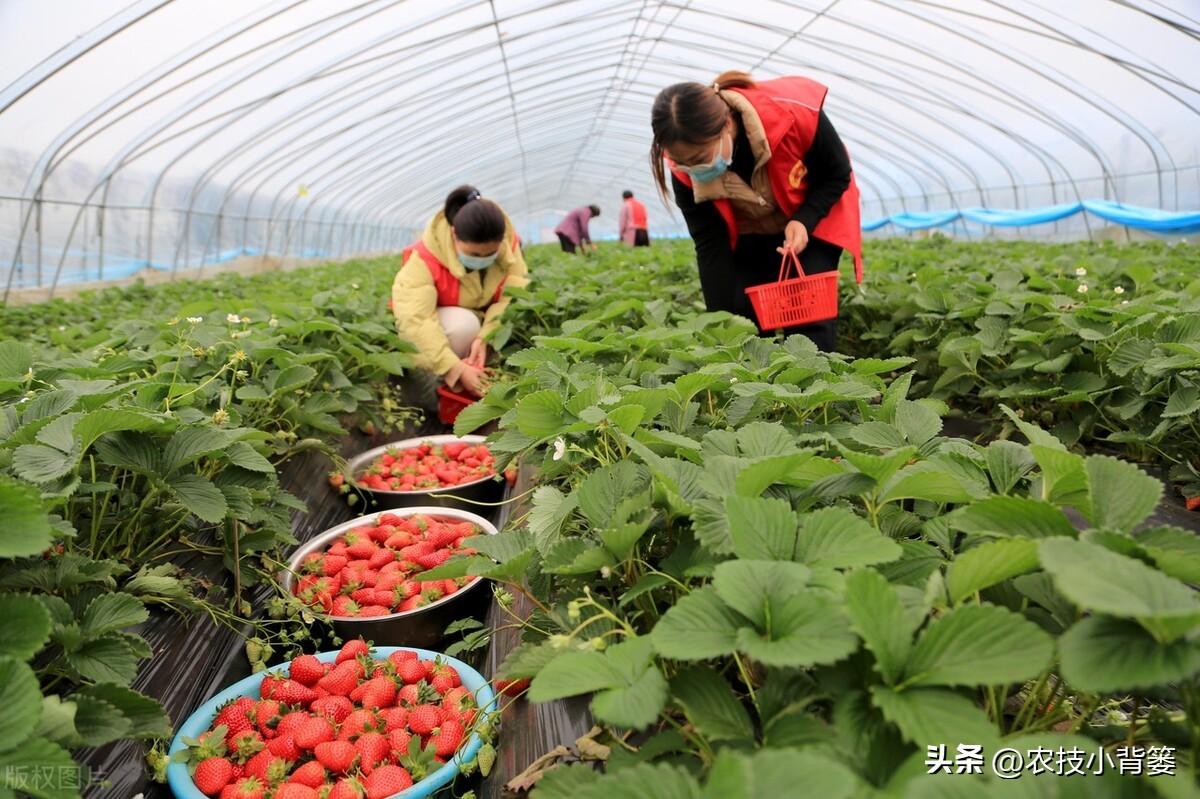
(421, 627)
(465, 496)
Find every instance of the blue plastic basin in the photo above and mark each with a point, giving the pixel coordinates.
(180, 780)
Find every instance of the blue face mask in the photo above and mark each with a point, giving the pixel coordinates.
(712, 170)
(477, 262)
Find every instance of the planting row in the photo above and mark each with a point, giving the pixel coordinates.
(771, 566)
(139, 425)
(1100, 344)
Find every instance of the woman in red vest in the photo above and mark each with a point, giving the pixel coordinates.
(633, 224)
(449, 293)
(757, 169)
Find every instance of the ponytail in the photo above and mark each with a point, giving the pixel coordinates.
(474, 219)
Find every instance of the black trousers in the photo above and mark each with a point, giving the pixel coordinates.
(567, 244)
(641, 237)
(756, 261)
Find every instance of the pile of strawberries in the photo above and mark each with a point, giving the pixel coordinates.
(368, 571)
(427, 466)
(359, 728)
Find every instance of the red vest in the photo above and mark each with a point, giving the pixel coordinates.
(788, 109)
(637, 213)
(444, 281)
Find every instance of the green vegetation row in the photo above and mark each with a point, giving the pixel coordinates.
(140, 425)
(1096, 342)
(768, 567)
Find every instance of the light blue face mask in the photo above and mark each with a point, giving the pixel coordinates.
(477, 262)
(712, 170)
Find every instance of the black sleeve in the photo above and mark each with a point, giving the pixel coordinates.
(828, 174)
(714, 256)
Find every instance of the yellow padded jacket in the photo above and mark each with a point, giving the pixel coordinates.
(415, 292)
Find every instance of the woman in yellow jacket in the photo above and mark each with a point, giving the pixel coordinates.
(449, 293)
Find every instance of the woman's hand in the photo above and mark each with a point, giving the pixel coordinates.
(477, 356)
(795, 238)
(473, 379)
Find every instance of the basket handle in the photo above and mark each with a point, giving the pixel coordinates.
(785, 263)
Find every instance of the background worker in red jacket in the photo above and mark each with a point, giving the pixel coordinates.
(633, 225)
(572, 232)
(757, 169)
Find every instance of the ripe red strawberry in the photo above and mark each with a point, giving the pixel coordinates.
(311, 774)
(245, 745)
(212, 774)
(512, 687)
(387, 780)
(410, 671)
(422, 719)
(458, 699)
(352, 649)
(347, 788)
(417, 550)
(316, 730)
(235, 715)
(399, 740)
(295, 790)
(374, 610)
(447, 737)
(381, 558)
(373, 749)
(265, 766)
(357, 723)
(361, 547)
(306, 670)
(344, 606)
(266, 717)
(442, 683)
(337, 756)
(409, 695)
(286, 691)
(375, 693)
(284, 746)
(244, 788)
(334, 708)
(291, 722)
(394, 718)
(264, 762)
(414, 602)
(343, 679)
(363, 596)
(402, 656)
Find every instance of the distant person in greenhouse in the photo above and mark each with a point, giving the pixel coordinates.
(757, 170)
(448, 296)
(633, 225)
(573, 233)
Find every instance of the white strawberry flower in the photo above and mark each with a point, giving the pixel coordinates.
(195, 320)
(1080, 272)
(232, 318)
(273, 322)
(1082, 288)
(560, 448)
(1124, 302)
(1119, 290)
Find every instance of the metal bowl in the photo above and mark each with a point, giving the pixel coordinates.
(422, 626)
(482, 492)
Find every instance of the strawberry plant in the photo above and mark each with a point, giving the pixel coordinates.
(741, 547)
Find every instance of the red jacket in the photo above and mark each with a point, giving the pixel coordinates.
(789, 108)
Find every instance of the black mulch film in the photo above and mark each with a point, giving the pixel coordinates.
(194, 658)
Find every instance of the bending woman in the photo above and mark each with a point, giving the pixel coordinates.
(757, 169)
(448, 296)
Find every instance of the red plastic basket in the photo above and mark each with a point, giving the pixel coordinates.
(795, 300)
(450, 404)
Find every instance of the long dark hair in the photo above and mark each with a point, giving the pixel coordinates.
(474, 219)
(692, 113)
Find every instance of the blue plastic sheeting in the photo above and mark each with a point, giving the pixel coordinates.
(1149, 219)
(1020, 218)
(1145, 218)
